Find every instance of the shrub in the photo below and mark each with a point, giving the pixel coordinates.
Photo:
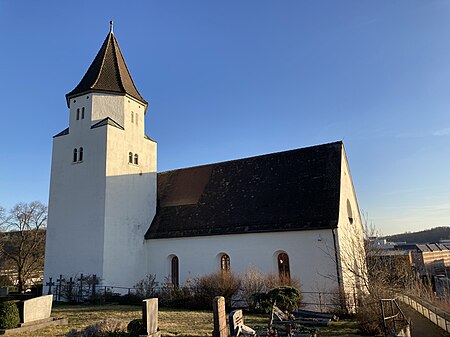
(286, 298)
(105, 328)
(9, 315)
(129, 299)
(208, 286)
(176, 297)
(146, 287)
(252, 282)
(260, 302)
(368, 317)
(136, 328)
(274, 281)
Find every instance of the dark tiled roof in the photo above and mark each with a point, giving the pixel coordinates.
(107, 73)
(62, 133)
(285, 191)
(107, 121)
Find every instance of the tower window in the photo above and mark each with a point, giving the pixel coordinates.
(78, 113)
(130, 158)
(80, 154)
(283, 266)
(132, 117)
(82, 113)
(175, 272)
(349, 212)
(75, 151)
(137, 119)
(136, 159)
(225, 263)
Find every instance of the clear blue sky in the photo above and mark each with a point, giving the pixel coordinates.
(230, 79)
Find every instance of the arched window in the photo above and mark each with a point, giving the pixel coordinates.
(175, 272)
(136, 159)
(75, 155)
(82, 113)
(132, 117)
(80, 154)
(130, 158)
(283, 266)
(78, 114)
(137, 119)
(225, 263)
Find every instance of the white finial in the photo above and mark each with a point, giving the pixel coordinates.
(111, 26)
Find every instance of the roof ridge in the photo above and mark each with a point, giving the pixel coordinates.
(126, 67)
(114, 50)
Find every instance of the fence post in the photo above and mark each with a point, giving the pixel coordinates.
(80, 298)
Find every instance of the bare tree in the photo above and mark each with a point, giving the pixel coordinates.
(22, 240)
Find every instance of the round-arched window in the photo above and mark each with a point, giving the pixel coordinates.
(225, 263)
(283, 266)
(174, 267)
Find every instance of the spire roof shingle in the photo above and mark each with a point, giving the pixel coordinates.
(108, 73)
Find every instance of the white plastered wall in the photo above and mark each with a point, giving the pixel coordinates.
(308, 253)
(130, 198)
(350, 236)
(100, 208)
(74, 242)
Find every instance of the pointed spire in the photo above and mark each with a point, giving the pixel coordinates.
(111, 26)
(107, 73)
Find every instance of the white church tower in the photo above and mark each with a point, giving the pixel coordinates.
(103, 178)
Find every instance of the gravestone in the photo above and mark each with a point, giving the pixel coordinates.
(236, 321)
(150, 317)
(220, 319)
(3, 291)
(237, 327)
(36, 309)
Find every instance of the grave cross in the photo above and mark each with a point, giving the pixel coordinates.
(50, 284)
(70, 284)
(60, 282)
(94, 282)
(81, 287)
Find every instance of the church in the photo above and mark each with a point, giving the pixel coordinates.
(291, 213)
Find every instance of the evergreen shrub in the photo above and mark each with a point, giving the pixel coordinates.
(136, 328)
(9, 315)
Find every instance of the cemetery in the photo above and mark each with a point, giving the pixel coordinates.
(42, 316)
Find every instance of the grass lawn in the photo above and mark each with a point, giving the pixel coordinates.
(171, 322)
